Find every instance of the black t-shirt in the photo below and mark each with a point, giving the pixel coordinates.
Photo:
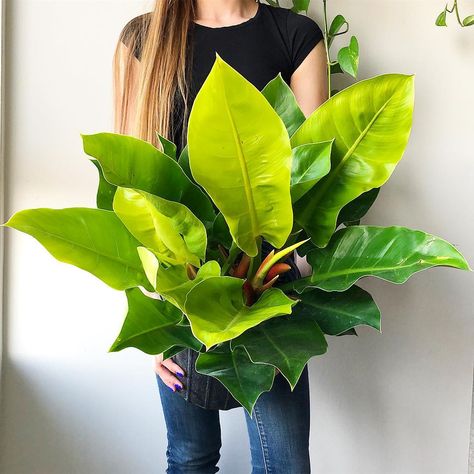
(275, 40)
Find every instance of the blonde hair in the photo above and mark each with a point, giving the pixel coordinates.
(152, 91)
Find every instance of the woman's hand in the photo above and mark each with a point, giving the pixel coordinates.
(169, 371)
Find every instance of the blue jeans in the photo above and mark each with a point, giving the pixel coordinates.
(278, 431)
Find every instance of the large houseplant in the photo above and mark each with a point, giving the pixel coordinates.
(190, 229)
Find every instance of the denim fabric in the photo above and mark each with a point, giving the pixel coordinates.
(203, 390)
(278, 431)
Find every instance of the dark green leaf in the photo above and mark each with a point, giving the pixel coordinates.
(245, 380)
(151, 326)
(338, 312)
(358, 208)
(287, 342)
(282, 99)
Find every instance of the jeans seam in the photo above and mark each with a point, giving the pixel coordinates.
(263, 439)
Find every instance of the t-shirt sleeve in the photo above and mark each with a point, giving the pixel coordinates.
(303, 35)
(133, 33)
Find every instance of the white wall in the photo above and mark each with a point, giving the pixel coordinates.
(397, 402)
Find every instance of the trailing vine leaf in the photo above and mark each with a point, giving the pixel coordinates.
(468, 21)
(151, 326)
(167, 228)
(348, 57)
(391, 253)
(369, 142)
(245, 380)
(358, 208)
(338, 312)
(94, 240)
(441, 19)
(335, 29)
(282, 99)
(105, 191)
(300, 5)
(310, 163)
(216, 310)
(133, 163)
(233, 129)
(287, 342)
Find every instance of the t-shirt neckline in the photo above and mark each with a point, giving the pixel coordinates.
(231, 27)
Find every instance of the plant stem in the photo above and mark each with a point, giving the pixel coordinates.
(326, 44)
(255, 261)
(233, 252)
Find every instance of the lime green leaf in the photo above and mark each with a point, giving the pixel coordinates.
(151, 326)
(468, 21)
(133, 163)
(174, 284)
(348, 57)
(92, 239)
(391, 253)
(282, 99)
(310, 163)
(217, 312)
(369, 142)
(287, 342)
(245, 380)
(167, 228)
(337, 312)
(105, 191)
(233, 129)
(441, 19)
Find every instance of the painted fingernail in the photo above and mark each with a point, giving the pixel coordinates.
(178, 387)
(179, 374)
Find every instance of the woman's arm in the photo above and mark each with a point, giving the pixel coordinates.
(310, 86)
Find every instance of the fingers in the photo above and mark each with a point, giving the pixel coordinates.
(172, 366)
(167, 371)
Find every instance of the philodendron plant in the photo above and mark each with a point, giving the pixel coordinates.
(182, 236)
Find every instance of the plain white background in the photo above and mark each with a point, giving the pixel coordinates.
(397, 402)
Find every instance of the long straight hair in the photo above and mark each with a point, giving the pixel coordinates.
(150, 93)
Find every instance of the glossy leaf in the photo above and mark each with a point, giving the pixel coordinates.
(133, 163)
(287, 342)
(92, 239)
(151, 326)
(369, 142)
(169, 148)
(358, 208)
(167, 228)
(391, 253)
(335, 29)
(338, 312)
(105, 191)
(233, 129)
(310, 163)
(468, 21)
(282, 99)
(441, 19)
(216, 310)
(174, 284)
(245, 380)
(348, 57)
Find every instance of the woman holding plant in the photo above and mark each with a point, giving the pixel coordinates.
(161, 61)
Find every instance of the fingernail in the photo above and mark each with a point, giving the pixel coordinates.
(179, 374)
(178, 387)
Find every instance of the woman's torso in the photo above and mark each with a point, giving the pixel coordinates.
(275, 40)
